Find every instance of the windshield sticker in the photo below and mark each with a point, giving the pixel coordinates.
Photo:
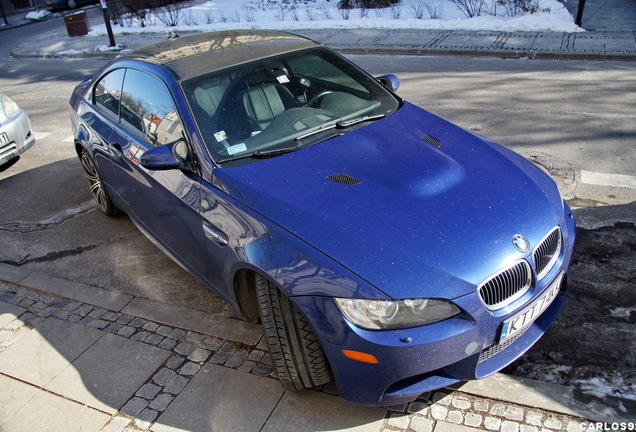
(236, 149)
(282, 79)
(220, 136)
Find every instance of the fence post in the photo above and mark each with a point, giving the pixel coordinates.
(579, 13)
(109, 29)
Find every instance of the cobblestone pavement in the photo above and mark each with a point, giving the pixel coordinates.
(443, 410)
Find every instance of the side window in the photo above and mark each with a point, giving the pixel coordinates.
(148, 109)
(108, 91)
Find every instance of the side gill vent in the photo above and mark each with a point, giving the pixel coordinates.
(432, 140)
(344, 179)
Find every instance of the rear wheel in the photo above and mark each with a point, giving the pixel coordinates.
(96, 186)
(296, 353)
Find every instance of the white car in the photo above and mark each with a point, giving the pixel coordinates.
(16, 135)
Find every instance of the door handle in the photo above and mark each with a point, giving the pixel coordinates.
(117, 147)
(216, 235)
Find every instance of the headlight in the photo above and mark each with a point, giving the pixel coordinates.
(395, 314)
(9, 106)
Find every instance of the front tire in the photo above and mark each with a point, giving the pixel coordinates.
(96, 186)
(298, 358)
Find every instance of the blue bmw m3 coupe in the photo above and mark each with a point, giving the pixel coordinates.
(379, 245)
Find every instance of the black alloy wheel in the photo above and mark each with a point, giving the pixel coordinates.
(96, 186)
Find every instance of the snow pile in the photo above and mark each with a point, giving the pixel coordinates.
(212, 15)
(602, 386)
(623, 312)
(37, 15)
(96, 49)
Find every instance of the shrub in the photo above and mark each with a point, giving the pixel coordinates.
(470, 8)
(366, 4)
(434, 8)
(418, 7)
(473, 8)
(138, 10)
(169, 14)
(517, 7)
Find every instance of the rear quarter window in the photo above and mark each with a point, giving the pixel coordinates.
(107, 93)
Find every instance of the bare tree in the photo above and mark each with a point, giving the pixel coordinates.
(470, 8)
(169, 13)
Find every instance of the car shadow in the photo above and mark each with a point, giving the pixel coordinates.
(60, 342)
(9, 164)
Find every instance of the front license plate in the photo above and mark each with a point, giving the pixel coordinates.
(527, 316)
(4, 138)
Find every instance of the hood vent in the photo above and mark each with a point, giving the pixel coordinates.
(432, 140)
(344, 179)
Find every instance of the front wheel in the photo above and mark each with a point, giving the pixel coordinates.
(96, 186)
(296, 353)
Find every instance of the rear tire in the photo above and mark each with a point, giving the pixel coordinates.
(296, 353)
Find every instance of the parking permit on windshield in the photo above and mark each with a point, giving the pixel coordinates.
(236, 149)
(220, 136)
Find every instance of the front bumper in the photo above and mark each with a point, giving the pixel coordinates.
(418, 360)
(20, 137)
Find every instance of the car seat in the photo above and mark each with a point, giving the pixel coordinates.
(265, 102)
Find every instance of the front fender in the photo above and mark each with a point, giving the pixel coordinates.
(260, 245)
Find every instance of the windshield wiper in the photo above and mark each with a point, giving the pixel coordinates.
(341, 124)
(274, 152)
(261, 154)
(317, 131)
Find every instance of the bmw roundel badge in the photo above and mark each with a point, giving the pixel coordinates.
(520, 243)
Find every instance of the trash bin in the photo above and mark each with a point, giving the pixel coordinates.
(76, 24)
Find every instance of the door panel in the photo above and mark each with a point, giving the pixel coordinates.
(165, 204)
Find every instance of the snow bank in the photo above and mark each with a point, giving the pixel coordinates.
(323, 14)
(37, 15)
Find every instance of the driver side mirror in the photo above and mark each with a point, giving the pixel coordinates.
(166, 157)
(389, 81)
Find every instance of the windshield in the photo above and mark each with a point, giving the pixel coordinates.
(283, 102)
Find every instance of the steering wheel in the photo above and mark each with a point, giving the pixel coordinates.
(317, 97)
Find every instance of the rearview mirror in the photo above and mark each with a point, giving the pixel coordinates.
(166, 157)
(390, 81)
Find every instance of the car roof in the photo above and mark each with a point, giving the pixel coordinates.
(193, 55)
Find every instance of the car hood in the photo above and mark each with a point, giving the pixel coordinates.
(416, 206)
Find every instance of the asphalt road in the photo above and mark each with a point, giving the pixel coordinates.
(576, 118)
